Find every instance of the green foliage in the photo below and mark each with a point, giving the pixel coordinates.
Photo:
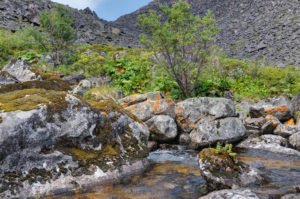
(60, 34)
(211, 88)
(226, 149)
(131, 74)
(181, 43)
(31, 57)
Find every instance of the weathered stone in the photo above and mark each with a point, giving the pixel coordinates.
(185, 139)
(296, 102)
(56, 137)
(228, 95)
(152, 145)
(283, 113)
(162, 128)
(190, 111)
(254, 123)
(151, 107)
(269, 127)
(257, 112)
(138, 98)
(273, 143)
(208, 132)
(6, 78)
(286, 130)
(222, 171)
(231, 194)
(294, 140)
(89, 83)
(21, 70)
(73, 79)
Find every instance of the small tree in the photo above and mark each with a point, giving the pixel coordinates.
(181, 42)
(60, 34)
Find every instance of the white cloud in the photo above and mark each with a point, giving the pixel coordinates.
(80, 4)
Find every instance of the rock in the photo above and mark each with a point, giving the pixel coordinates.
(291, 196)
(294, 140)
(222, 171)
(269, 127)
(283, 113)
(104, 93)
(286, 130)
(208, 132)
(190, 111)
(74, 79)
(49, 139)
(255, 123)
(228, 95)
(296, 102)
(148, 105)
(152, 145)
(273, 143)
(185, 139)
(162, 128)
(231, 194)
(6, 78)
(48, 60)
(257, 112)
(21, 70)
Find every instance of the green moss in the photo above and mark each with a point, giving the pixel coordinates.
(82, 154)
(45, 75)
(109, 150)
(30, 99)
(57, 85)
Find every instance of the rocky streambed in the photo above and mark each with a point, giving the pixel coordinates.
(55, 143)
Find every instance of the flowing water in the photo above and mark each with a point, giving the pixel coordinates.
(175, 174)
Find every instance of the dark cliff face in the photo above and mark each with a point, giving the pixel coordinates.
(249, 28)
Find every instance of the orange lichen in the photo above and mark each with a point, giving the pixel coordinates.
(274, 124)
(294, 140)
(123, 99)
(124, 105)
(104, 113)
(169, 100)
(184, 125)
(290, 122)
(180, 110)
(280, 108)
(158, 97)
(268, 118)
(192, 125)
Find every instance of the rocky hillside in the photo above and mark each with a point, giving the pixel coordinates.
(249, 28)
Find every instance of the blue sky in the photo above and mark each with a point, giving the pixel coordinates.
(107, 9)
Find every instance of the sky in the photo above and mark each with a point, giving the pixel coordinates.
(109, 10)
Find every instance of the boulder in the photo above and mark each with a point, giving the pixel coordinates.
(89, 83)
(256, 112)
(222, 171)
(296, 102)
(190, 111)
(74, 79)
(283, 113)
(286, 130)
(208, 132)
(6, 78)
(254, 123)
(50, 139)
(162, 128)
(185, 139)
(269, 127)
(21, 70)
(273, 143)
(231, 194)
(148, 105)
(294, 140)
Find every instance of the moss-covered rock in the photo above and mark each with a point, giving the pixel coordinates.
(48, 134)
(7, 78)
(223, 171)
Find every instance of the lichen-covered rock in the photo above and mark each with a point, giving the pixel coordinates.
(254, 123)
(294, 140)
(256, 112)
(74, 79)
(273, 143)
(222, 171)
(89, 83)
(148, 105)
(190, 111)
(296, 102)
(283, 113)
(286, 130)
(162, 128)
(50, 139)
(6, 78)
(269, 127)
(231, 194)
(208, 132)
(21, 70)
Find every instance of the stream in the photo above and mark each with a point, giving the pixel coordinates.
(175, 174)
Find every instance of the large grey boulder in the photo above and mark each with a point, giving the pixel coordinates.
(208, 132)
(273, 143)
(21, 70)
(162, 128)
(190, 111)
(51, 139)
(6, 78)
(286, 131)
(222, 171)
(231, 194)
(291, 196)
